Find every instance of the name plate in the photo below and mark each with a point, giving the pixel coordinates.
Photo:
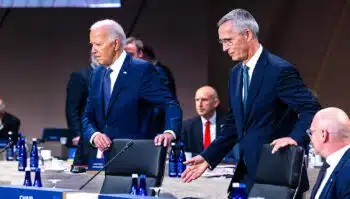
(95, 164)
(22, 192)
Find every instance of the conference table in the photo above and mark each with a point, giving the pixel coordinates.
(204, 187)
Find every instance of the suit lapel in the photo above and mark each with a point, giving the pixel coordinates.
(334, 174)
(120, 82)
(256, 82)
(236, 93)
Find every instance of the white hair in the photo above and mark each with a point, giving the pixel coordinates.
(241, 20)
(114, 29)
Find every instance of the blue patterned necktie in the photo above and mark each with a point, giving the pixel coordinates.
(245, 86)
(107, 88)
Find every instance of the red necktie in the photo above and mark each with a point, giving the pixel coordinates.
(207, 139)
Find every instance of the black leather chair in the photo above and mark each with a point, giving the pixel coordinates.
(279, 174)
(143, 157)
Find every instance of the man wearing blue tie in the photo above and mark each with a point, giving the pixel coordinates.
(121, 92)
(330, 138)
(268, 103)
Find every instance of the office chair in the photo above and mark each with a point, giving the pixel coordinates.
(279, 175)
(143, 157)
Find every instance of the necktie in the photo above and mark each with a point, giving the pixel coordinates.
(245, 86)
(319, 179)
(207, 138)
(107, 88)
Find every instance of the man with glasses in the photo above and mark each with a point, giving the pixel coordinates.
(330, 138)
(269, 103)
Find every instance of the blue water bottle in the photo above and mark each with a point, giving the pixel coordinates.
(142, 188)
(238, 191)
(18, 144)
(181, 167)
(22, 153)
(134, 189)
(34, 157)
(172, 169)
(37, 180)
(27, 178)
(9, 152)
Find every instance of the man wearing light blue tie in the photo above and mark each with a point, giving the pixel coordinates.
(268, 103)
(121, 92)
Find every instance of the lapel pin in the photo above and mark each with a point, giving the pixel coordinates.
(124, 72)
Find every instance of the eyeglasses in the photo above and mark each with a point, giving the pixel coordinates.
(309, 132)
(226, 42)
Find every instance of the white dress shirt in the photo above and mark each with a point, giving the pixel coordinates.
(212, 121)
(251, 64)
(332, 160)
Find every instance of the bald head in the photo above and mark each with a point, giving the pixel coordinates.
(206, 101)
(330, 131)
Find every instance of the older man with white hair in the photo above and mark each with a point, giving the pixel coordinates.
(8, 123)
(122, 93)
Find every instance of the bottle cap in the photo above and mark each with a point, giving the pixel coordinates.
(173, 144)
(10, 132)
(27, 169)
(142, 176)
(134, 175)
(238, 185)
(34, 139)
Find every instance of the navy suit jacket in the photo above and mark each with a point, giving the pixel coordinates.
(338, 184)
(137, 88)
(192, 133)
(278, 105)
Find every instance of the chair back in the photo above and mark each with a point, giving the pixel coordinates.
(279, 174)
(143, 157)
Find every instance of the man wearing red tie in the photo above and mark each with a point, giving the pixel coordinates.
(199, 131)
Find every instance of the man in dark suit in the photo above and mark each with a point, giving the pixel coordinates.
(77, 93)
(330, 138)
(8, 122)
(268, 103)
(122, 91)
(199, 131)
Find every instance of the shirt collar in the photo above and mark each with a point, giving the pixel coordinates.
(119, 62)
(212, 119)
(253, 60)
(335, 157)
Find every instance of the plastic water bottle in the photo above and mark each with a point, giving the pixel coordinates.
(34, 157)
(172, 172)
(181, 167)
(27, 178)
(238, 191)
(10, 153)
(22, 153)
(142, 188)
(37, 180)
(134, 185)
(18, 144)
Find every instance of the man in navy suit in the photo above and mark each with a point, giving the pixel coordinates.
(77, 93)
(268, 103)
(330, 138)
(122, 91)
(199, 131)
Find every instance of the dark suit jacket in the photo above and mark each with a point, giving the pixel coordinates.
(166, 76)
(192, 133)
(10, 123)
(278, 105)
(137, 88)
(77, 93)
(338, 184)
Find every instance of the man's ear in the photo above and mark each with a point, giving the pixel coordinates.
(117, 44)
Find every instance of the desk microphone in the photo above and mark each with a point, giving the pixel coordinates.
(127, 146)
(9, 145)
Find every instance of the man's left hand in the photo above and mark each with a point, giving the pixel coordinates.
(282, 142)
(164, 138)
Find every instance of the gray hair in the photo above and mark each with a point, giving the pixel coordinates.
(138, 43)
(115, 30)
(241, 20)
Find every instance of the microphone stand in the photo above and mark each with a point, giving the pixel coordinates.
(127, 146)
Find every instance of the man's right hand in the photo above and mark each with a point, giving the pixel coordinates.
(196, 167)
(102, 142)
